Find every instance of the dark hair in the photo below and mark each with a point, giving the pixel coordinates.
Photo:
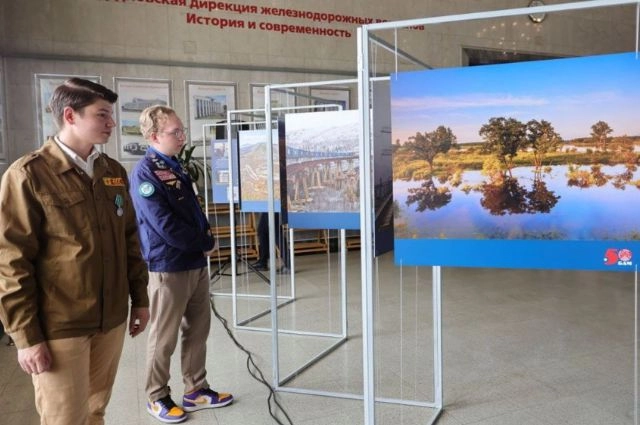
(77, 93)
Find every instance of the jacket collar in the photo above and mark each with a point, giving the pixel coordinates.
(61, 163)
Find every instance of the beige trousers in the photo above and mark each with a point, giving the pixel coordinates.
(179, 302)
(77, 388)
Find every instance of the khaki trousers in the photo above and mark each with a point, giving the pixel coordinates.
(179, 301)
(77, 388)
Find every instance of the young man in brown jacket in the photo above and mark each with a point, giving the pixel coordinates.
(70, 260)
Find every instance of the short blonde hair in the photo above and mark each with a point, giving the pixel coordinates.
(152, 118)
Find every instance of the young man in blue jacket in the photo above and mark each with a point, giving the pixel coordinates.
(175, 239)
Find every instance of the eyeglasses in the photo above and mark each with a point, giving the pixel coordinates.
(177, 133)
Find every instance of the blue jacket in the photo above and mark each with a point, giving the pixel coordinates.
(174, 232)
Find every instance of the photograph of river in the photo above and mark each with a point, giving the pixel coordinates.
(527, 208)
(544, 150)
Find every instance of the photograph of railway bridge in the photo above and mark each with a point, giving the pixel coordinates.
(322, 161)
(544, 150)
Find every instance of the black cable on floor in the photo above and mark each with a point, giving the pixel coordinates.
(253, 369)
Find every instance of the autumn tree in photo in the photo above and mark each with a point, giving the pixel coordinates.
(600, 134)
(427, 145)
(542, 138)
(503, 137)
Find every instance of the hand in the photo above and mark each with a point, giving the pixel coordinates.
(35, 359)
(138, 320)
(212, 250)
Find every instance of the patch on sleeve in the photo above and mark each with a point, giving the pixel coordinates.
(146, 189)
(165, 175)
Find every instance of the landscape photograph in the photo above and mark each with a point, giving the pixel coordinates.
(544, 150)
(322, 161)
(253, 170)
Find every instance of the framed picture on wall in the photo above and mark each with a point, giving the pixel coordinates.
(45, 85)
(207, 104)
(279, 99)
(331, 95)
(3, 137)
(134, 95)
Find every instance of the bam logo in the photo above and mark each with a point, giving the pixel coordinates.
(618, 257)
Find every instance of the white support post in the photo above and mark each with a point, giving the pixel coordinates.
(366, 228)
(272, 241)
(437, 335)
(232, 219)
(343, 280)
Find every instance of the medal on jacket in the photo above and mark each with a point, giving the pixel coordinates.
(119, 204)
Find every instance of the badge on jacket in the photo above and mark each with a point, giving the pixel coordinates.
(146, 189)
(119, 201)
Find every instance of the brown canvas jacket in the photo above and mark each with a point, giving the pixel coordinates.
(68, 261)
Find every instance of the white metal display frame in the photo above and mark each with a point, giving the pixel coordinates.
(279, 382)
(364, 38)
(341, 336)
(232, 223)
(233, 255)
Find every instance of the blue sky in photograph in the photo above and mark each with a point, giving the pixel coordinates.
(572, 94)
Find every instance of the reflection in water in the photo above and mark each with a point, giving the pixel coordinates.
(547, 207)
(504, 196)
(541, 199)
(596, 177)
(583, 178)
(428, 196)
(507, 196)
(621, 180)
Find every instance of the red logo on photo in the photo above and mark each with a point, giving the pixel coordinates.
(611, 257)
(622, 257)
(625, 255)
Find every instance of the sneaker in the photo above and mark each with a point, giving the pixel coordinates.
(165, 410)
(205, 398)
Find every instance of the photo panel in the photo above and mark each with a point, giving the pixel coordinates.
(134, 95)
(321, 160)
(225, 178)
(253, 164)
(494, 167)
(45, 85)
(331, 95)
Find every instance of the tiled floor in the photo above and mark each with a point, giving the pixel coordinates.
(520, 348)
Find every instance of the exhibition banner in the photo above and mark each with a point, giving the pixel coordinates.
(322, 170)
(525, 165)
(253, 170)
(223, 180)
